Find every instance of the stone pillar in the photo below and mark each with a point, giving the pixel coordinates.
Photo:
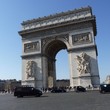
(51, 73)
(70, 69)
(45, 71)
(54, 73)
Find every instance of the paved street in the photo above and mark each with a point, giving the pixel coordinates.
(58, 101)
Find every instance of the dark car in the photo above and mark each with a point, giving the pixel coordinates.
(104, 88)
(79, 89)
(27, 91)
(58, 90)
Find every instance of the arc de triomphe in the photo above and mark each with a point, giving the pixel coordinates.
(44, 37)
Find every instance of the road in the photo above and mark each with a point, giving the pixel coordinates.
(57, 101)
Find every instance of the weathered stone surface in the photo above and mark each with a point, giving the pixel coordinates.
(43, 38)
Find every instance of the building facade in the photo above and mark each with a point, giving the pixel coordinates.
(43, 38)
(9, 85)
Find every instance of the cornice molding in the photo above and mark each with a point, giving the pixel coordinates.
(30, 55)
(61, 25)
(60, 18)
(74, 11)
(81, 48)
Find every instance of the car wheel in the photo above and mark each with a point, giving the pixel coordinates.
(102, 91)
(18, 96)
(37, 95)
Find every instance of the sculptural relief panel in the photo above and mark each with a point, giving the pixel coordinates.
(83, 63)
(30, 69)
(32, 47)
(81, 38)
(63, 37)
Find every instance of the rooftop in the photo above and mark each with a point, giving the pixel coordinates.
(71, 17)
(57, 18)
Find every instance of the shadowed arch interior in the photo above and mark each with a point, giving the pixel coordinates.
(51, 51)
(54, 47)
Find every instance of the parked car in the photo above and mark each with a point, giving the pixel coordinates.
(27, 91)
(58, 90)
(79, 89)
(104, 88)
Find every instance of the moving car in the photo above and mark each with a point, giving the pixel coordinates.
(27, 91)
(104, 88)
(79, 89)
(58, 90)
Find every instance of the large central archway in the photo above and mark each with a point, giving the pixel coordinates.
(51, 49)
(54, 47)
(44, 37)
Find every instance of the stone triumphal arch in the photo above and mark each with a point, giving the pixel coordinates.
(44, 37)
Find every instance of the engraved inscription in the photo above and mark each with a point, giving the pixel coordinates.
(81, 38)
(31, 47)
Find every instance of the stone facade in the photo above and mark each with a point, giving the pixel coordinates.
(44, 37)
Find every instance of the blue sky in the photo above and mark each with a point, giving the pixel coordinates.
(13, 12)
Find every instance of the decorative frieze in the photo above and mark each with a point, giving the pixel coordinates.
(41, 22)
(81, 38)
(32, 47)
(62, 36)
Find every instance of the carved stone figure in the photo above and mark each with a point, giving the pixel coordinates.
(83, 63)
(30, 68)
